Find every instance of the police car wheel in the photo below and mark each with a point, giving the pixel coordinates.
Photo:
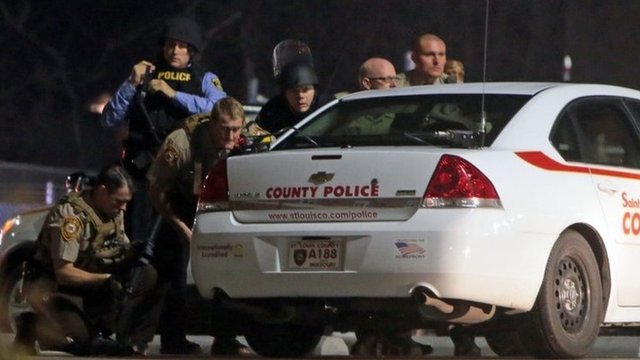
(10, 298)
(283, 340)
(565, 320)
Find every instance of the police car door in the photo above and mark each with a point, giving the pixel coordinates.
(613, 157)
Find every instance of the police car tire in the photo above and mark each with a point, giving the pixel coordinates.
(10, 273)
(565, 320)
(283, 340)
(8, 280)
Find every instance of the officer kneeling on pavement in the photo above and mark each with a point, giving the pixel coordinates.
(87, 281)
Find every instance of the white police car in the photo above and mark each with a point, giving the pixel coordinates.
(513, 208)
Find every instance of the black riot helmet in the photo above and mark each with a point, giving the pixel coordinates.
(297, 74)
(184, 29)
(288, 51)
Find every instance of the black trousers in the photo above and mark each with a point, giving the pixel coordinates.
(171, 259)
(139, 217)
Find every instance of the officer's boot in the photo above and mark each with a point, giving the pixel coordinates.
(102, 344)
(403, 345)
(464, 343)
(25, 339)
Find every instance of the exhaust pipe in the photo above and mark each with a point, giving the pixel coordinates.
(456, 311)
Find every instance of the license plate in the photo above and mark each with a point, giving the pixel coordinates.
(316, 255)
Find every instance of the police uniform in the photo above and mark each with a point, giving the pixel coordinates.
(464, 342)
(180, 166)
(378, 124)
(196, 92)
(412, 78)
(184, 151)
(71, 318)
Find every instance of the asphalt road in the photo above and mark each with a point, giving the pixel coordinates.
(337, 346)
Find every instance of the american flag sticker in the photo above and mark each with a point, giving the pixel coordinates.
(409, 249)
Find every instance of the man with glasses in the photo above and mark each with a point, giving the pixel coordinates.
(374, 74)
(377, 73)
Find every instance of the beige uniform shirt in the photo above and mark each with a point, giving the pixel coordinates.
(69, 231)
(184, 160)
(411, 78)
(172, 166)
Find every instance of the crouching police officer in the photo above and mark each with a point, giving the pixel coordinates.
(80, 282)
(174, 182)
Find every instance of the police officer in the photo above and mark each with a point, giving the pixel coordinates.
(455, 69)
(174, 182)
(298, 98)
(80, 281)
(429, 54)
(153, 101)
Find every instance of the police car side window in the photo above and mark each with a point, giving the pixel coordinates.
(606, 129)
(565, 140)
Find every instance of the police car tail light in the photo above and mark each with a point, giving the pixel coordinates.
(214, 193)
(457, 183)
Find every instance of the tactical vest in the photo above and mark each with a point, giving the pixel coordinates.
(204, 156)
(107, 248)
(203, 152)
(164, 115)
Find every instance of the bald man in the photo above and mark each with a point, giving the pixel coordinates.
(377, 73)
(429, 54)
(374, 74)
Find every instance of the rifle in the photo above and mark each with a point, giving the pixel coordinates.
(133, 279)
(138, 157)
(143, 89)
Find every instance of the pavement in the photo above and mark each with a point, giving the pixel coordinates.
(338, 344)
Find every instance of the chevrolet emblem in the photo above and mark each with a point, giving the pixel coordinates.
(321, 177)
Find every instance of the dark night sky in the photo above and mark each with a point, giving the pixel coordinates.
(58, 58)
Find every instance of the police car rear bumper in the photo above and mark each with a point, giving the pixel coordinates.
(493, 264)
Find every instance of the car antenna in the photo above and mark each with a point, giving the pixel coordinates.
(483, 114)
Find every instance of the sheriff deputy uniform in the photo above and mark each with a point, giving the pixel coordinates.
(179, 169)
(80, 319)
(412, 78)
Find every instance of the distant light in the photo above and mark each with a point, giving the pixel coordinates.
(566, 68)
(49, 195)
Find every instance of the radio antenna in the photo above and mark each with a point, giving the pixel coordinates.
(483, 114)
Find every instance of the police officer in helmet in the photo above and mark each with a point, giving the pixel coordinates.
(298, 98)
(154, 100)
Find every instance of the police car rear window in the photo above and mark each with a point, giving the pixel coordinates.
(406, 120)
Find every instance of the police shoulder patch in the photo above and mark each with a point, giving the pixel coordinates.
(71, 227)
(216, 82)
(171, 155)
